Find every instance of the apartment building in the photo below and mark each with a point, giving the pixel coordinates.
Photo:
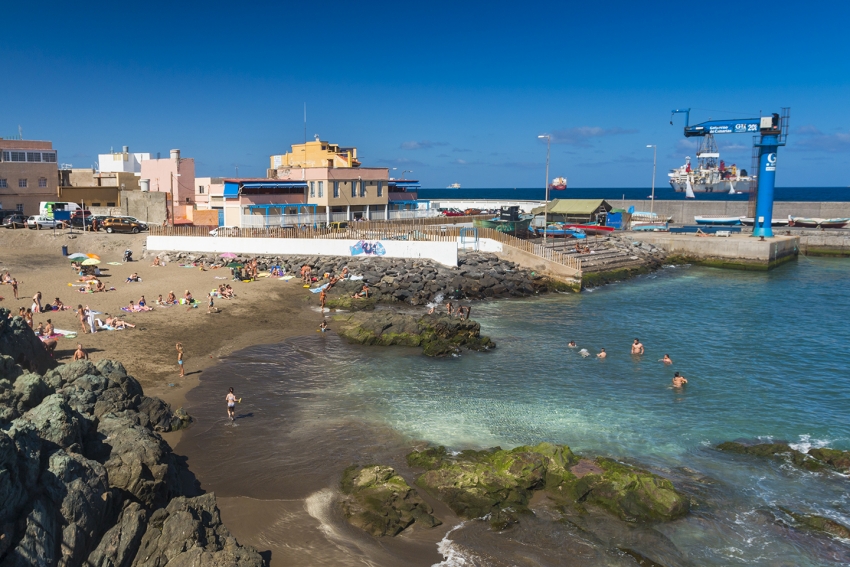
(28, 174)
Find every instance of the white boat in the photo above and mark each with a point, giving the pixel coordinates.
(749, 221)
(815, 222)
(711, 174)
(454, 186)
(727, 221)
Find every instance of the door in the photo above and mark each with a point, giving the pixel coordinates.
(221, 217)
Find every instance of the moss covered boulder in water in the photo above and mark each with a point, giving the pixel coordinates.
(819, 523)
(379, 501)
(815, 460)
(498, 484)
(437, 335)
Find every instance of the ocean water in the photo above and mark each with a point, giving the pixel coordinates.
(662, 192)
(766, 358)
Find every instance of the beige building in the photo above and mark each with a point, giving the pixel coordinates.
(28, 174)
(315, 154)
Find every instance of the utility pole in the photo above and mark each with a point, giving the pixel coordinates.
(546, 206)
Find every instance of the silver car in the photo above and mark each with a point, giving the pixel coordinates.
(38, 222)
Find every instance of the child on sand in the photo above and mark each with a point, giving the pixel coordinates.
(180, 359)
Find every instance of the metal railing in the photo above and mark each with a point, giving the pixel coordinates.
(443, 229)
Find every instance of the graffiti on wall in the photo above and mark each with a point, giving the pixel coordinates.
(368, 248)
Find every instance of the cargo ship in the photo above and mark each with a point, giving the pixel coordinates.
(711, 174)
(558, 184)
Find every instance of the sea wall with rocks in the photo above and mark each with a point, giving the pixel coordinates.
(479, 275)
(87, 480)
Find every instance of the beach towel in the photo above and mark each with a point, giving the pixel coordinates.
(355, 278)
(287, 278)
(63, 333)
(320, 288)
(115, 263)
(221, 278)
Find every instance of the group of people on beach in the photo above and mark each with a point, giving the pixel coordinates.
(461, 311)
(637, 349)
(8, 279)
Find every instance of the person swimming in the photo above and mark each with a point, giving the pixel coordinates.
(679, 381)
(666, 359)
(571, 344)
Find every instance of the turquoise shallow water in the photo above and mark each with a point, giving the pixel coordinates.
(766, 358)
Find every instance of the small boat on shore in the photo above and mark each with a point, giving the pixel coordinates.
(726, 221)
(506, 226)
(817, 222)
(749, 221)
(555, 230)
(591, 228)
(657, 226)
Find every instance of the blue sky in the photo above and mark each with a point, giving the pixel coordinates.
(455, 91)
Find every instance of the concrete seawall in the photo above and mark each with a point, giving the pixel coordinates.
(683, 212)
(736, 251)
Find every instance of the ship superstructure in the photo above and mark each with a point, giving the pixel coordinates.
(711, 174)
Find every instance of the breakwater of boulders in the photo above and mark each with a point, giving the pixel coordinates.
(478, 275)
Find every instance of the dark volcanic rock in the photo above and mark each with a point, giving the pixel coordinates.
(380, 502)
(84, 472)
(815, 460)
(18, 341)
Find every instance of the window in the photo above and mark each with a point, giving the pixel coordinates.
(362, 188)
(380, 188)
(19, 207)
(22, 183)
(312, 188)
(42, 182)
(95, 204)
(3, 184)
(18, 156)
(201, 189)
(354, 189)
(108, 204)
(7, 156)
(336, 189)
(48, 157)
(321, 188)
(34, 156)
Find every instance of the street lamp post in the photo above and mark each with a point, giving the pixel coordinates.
(406, 171)
(389, 169)
(652, 197)
(546, 206)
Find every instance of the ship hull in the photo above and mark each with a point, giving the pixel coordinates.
(509, 227)
(723, 187)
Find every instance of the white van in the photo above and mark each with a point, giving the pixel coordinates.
(46, 208)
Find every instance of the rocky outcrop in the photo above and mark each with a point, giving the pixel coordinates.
(86, 479)
(478, 275)
(380, 502)
(19, 342)
(814, 460)
(498, 484)
(438, 335)
(819, 523)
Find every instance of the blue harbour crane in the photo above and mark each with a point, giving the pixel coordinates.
(769, 132)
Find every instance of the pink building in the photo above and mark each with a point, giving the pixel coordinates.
(176, 176)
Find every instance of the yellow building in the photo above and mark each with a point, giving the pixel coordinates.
(315, 154)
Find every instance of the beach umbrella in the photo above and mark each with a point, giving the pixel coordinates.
(77, 255)
(234, 265)
(95, 256)
(228, 255)
(91, 262)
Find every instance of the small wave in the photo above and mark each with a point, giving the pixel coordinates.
(806, 443)
(452, 555)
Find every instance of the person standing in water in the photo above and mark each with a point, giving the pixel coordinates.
(637, 347)
(180, 359)
(679, 380)
(667, 359)
(602, 353)
(231, 404)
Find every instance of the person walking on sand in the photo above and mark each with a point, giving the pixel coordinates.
(231, 405)
(180, 359)
(80, 353)
(679, 380)
(81, 315)
(637, 347)
(211, 304)
(14, 283)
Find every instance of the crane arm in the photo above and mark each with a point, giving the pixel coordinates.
(763, 125)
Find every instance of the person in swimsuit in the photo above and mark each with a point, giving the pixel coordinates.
(324, 326)
(231, 404)
(180, 359)
(81, 315)
(667, 359)
(572, 344)
(172, 299)
(602, 353)
(637, 347)
(49, 329)
(14, 284)
(679, 381)
(323, 296)
(80, 353)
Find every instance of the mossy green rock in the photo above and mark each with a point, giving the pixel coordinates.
(379, 501)
(437, 335)
(820, 524)
(498, 484)
(815, 460)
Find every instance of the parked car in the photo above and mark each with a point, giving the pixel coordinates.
(225, 231)
(451, 213)
(15, 221)
(117, 224)
(38, 222)
(79, 213)
(338, 225)
(134, 219)
(80, 222)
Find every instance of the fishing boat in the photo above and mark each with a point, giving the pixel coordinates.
(749, 221)
(506, 226)
(655, 226)
(557, 229)
(726, 221)
(592, 228)
(711, 175)
(818, 222)
(558, 184)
